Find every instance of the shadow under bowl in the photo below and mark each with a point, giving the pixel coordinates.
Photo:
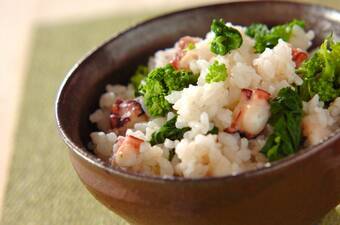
(297, 190)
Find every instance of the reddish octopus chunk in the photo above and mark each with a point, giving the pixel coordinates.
(181, 46)
(128, 142)
(299, 56)
(251, 114)
(127, 151)
(124, 115)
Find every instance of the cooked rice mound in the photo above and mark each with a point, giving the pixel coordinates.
(203, 106)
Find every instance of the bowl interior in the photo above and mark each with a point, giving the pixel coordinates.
(115, 61)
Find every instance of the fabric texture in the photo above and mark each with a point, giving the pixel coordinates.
(43, 188)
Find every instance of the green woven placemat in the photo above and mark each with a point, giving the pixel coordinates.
(43, 188)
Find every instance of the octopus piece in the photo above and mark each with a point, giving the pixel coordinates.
(181, 46)
(299, 56)
(124, 115)
(251, 113)
(127, 149)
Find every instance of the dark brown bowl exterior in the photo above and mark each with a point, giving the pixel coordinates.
(298, 190)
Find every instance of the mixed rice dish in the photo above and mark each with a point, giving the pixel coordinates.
(233, 101)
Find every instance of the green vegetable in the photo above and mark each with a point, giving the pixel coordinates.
(190, 46)
(226, 38)
(140, 74)
(321, 73)
(217, 72)
(169, 131)
(256, 29)
(159, 83)
(171, 154)
(268, 38)
(286, 117)
(178, 80)
(214, 130)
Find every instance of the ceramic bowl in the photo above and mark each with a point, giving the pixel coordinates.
(297, 190)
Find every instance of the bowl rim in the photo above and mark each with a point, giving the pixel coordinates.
(90, 158)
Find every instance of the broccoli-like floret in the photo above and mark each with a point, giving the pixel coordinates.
(226, 38)
(256, 29)
(217, 72)
(321, 73)
(268, 38)
(159, 83)
(178, 80)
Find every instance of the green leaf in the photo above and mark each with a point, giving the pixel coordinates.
(171, 154)
(257, 29)
(178, 80)
(217, 72)
(159, 83)
(321, 73)
(190, 46)
(140, 74)
(168, 131)
(265, 38)
(226, 38)
(214, 130)
(286, 118)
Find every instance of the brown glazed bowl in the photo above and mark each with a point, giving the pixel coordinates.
(297, 190)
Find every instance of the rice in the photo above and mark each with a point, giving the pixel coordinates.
(190, 110)
(152, 160)
(276, 68)
(244, 76)
(205, 106)
(317, 122)
(301, 39)
(103, 143)
(202, 157)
